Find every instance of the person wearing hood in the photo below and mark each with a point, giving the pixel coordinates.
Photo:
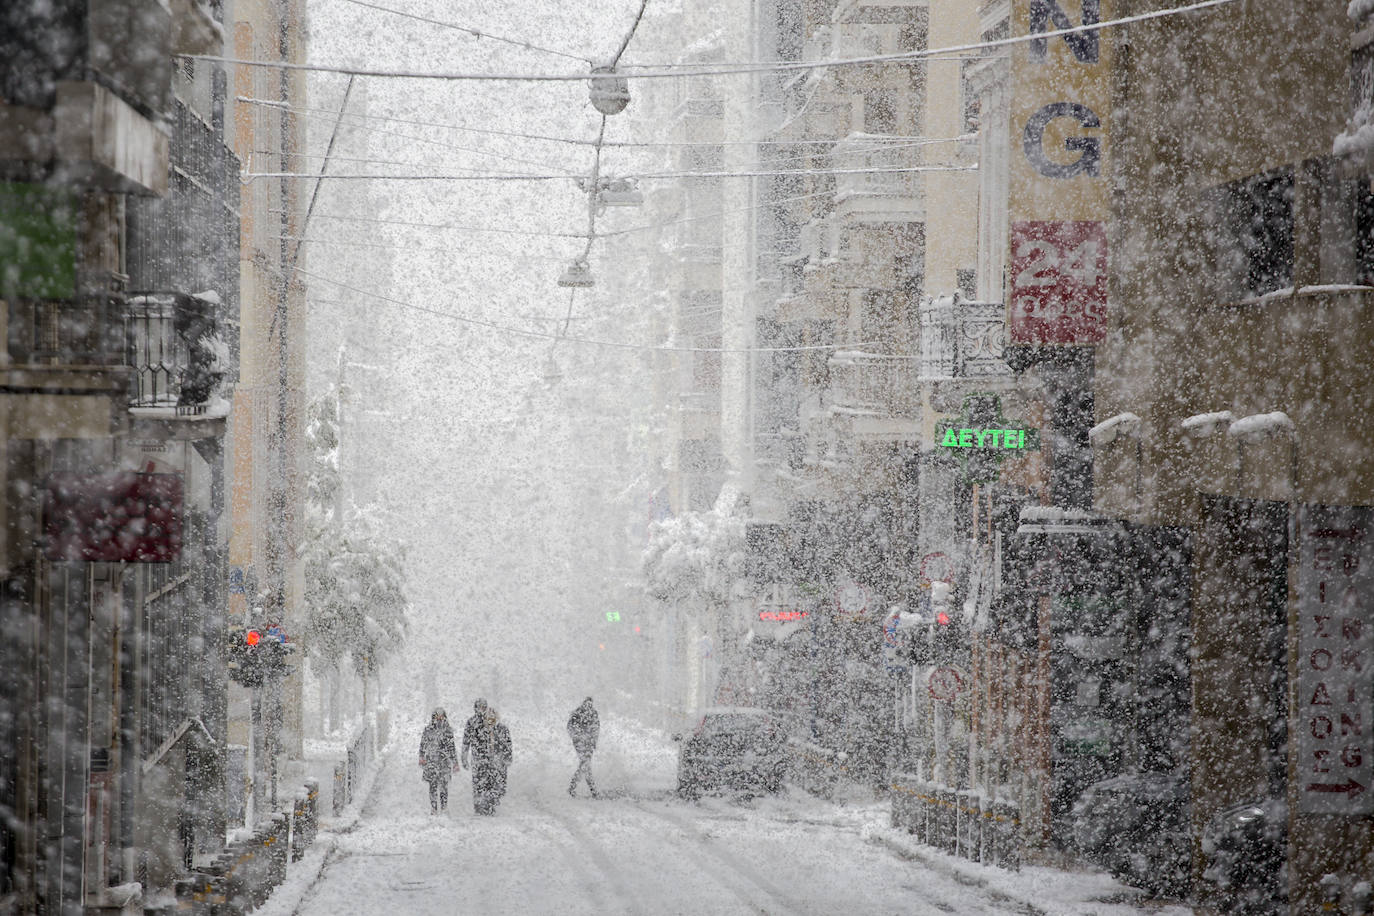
(584, 726)
(489, 742)
(438, 759)
(470, 728)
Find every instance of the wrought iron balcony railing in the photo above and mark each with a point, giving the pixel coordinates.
(82, 332)
(174, 351)
(961, 338)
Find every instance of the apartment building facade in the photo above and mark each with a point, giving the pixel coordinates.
(121, 214)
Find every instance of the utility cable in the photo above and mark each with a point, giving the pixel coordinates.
(613, 344)
(780, 202)
(477, 33)
(249, 176)
(301, 240)
(904, 57)
(579, 141)
(630, 34)
(777, 160)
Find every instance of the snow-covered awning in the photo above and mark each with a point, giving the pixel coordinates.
(1205, 424)
(1262, 424)
(1123, 424)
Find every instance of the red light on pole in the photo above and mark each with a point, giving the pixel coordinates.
(942, 618)
(252, 637)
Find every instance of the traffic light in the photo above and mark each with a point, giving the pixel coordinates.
(255, 654)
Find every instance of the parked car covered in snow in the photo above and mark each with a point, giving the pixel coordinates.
(1246, 861)
(1136, 827)
(733, 747)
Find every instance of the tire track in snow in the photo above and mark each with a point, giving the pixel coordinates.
(734, 868)
(627, 902)
(946, 900)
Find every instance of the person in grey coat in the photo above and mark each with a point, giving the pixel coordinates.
(438, 759)
(584, 727)
(488, 739)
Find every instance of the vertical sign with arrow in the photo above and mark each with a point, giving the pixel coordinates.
(1335, 697)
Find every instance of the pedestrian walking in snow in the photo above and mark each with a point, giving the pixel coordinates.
(438, 759)
(474, 722)
(584, 726)
(488, 740)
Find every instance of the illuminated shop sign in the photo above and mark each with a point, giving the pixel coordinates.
(782, 615)
(988, 438)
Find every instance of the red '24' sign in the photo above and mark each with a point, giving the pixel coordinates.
(1058, 282)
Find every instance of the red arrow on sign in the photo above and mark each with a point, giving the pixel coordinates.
(1352, 787)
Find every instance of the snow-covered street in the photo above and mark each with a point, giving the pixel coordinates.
(639, 849)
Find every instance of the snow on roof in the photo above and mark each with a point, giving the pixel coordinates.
(1258, 423)
(1123, 424)
(208, 295)
(166, 300)
(1056, 514)
(1204, 424)
(1358, 9)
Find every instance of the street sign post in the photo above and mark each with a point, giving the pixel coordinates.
(852, 599)
(1335, 697)
(945, 683)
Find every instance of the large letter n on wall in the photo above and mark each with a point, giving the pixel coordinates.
(1083, 44)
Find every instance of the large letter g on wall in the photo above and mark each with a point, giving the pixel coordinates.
(1089, 148)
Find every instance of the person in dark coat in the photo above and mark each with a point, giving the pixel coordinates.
(584, 726)
(489, 742)
(438, 759)
(470, 728)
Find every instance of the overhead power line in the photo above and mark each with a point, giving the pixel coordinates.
(613, 344)
(580, 141)
(777, 67)
(715, 214)
(249, 176)
(477, 33)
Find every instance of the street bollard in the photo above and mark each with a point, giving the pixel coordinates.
(947, 811)
(968, 824)
(311, 825)
(298, 818)
(275, 853)
(340, 787)
(1360, 896)
(1330, 893)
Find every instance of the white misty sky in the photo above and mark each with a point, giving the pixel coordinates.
(495, 480)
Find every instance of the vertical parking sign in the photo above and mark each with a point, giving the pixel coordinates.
(1335, 696)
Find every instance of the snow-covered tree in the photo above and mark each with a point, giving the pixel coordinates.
(696, 554)
(354, 571)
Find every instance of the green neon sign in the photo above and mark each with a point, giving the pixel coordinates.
(956, 437)
(983, 436)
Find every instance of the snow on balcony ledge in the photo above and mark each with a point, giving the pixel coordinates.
(1123, 424)
(1205, 424)
(216, 410)
(1263, 423)
(1060, 520)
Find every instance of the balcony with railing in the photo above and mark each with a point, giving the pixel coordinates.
(867, 183)
(83, 334)
(177, 357)
(962, 339)
(872, 385)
